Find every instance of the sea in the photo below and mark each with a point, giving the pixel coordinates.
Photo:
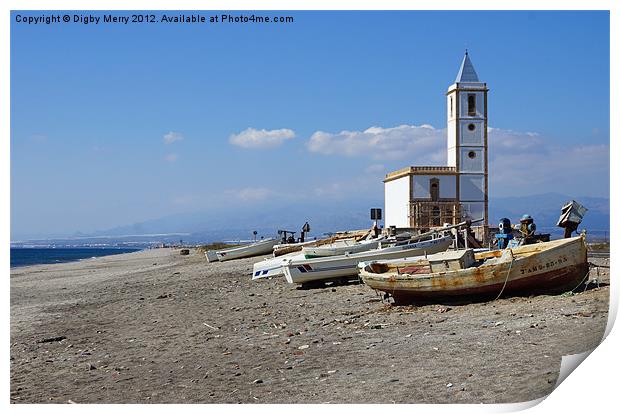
(32, 256)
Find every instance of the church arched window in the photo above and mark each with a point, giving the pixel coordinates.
(434, 189)
(471, 104)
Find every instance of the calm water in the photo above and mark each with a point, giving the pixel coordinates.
(33, 256)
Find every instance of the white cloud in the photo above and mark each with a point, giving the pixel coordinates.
(171, 157)
(519, 162)
(422, 144)
(515, 141)
(172, 136)
(573, 170)
(254, 138)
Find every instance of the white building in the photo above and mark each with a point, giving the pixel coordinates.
(426, 197)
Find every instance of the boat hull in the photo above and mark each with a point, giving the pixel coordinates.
(345, 266)
(272, 267)
(254, 249)
(211, 256)
(552, 269)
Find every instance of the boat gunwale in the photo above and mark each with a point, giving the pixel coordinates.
(320, 259)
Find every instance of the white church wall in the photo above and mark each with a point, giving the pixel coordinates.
(422, 185)
(451, 157)
(472, 133)
(472, 187)
(447, 186)
(472, 159)
(451, 144)
(451, 105)
(397, 202)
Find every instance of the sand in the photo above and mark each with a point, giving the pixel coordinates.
(157, 327)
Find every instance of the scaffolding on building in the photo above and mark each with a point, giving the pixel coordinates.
(431, 214)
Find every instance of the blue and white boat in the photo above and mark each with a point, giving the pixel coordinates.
(273, 266)
(301, 270)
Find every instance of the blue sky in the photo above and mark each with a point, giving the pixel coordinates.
(112, 125)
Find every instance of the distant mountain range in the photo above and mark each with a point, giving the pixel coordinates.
(238, 222)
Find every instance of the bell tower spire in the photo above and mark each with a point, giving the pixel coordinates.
(467, 142)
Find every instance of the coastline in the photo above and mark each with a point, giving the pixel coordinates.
(156, 327)
(109, 251)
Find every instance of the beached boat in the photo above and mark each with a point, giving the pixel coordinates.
(211, 256)
(302, 271)
(340, 247)
(551, 267)
(286, 248)
(273, 267)
(254, 249)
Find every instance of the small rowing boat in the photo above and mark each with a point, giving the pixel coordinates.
(255, 249)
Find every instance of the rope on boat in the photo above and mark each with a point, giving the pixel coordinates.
(507, 275)
(591, 265)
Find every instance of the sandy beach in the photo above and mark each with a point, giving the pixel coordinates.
(157, 327)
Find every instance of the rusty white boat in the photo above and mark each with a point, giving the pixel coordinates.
(551, 267)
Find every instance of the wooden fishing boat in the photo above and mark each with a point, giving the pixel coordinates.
(551, 267)
(255, 249)
(303, 271)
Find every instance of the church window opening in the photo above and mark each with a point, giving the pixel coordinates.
(471, 104)
(434, 189)
(471, 127)
(450, 107)
(471, 154)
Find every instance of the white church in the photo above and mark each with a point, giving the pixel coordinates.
(422, 197)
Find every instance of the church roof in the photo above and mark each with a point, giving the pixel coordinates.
(467, 73)
(420, 170)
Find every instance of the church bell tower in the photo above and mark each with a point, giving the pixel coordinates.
(467, 144)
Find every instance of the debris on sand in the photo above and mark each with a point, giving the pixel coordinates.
(53, 339)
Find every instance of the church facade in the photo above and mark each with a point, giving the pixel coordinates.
(426, 197)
